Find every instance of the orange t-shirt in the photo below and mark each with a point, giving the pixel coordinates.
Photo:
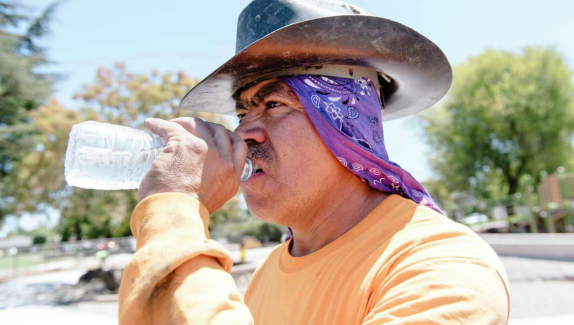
(402, 264)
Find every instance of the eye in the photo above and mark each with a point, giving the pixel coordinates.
(240, 117)
(273, 104)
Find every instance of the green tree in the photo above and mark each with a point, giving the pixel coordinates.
(507, 117)
(22, 89)
(231, 211)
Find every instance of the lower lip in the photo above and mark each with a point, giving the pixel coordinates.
(255, 176)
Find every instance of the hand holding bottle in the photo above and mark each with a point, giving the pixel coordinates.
(202, 159)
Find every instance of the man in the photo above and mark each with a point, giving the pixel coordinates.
(368, 244)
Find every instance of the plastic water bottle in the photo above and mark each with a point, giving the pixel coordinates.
(103, 156)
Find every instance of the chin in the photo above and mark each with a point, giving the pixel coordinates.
(260, 209)
(263, 209)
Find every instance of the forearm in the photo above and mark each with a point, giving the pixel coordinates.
(199, 292)
(178, 275)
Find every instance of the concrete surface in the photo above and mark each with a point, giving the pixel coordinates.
(544, 246)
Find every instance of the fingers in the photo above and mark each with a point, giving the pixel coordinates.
(232, 148)
(239, 151)
(222, 141)
(195, 126)
(163, 128)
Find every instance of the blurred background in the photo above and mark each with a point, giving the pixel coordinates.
(497, 153)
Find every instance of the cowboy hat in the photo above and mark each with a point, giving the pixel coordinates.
(276, 37)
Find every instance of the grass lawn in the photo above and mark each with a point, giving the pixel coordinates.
(21, 261)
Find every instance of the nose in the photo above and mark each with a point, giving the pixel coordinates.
(250, 131)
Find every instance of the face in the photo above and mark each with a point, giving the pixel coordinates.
(299, 173)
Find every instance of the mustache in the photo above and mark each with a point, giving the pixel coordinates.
(259, 152)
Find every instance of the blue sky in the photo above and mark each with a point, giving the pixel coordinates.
(198, 36)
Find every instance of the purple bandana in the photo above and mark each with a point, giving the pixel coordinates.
(347, 115)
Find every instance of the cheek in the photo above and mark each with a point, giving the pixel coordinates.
(300, 148)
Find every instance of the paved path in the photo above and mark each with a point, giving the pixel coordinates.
(545, 246)
(548, 320)
(540, 288)
(50, 315)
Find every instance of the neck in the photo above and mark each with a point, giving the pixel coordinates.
(330, 221)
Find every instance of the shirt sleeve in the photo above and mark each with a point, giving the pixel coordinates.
(440, 290)
(178, 275)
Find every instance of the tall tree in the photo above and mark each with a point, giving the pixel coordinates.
(507, 117)
(22, 89)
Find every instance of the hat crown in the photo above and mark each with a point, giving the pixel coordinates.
(262, 17)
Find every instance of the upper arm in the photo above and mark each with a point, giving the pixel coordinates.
(440, 290)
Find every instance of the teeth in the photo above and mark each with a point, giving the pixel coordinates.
(257, 168)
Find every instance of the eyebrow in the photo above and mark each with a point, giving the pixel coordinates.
(264, 92)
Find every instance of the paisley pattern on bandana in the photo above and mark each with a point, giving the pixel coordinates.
(346, 113)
